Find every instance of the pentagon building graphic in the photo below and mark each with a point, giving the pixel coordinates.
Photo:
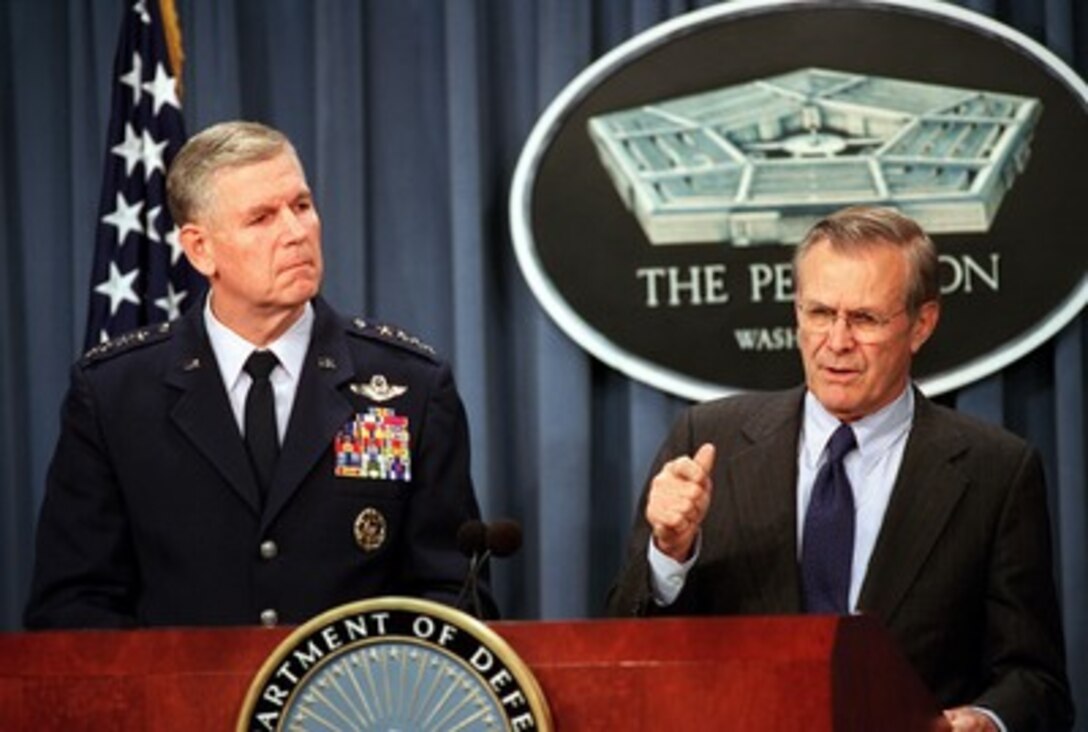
(761, 162)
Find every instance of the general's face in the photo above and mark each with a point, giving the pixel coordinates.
(853, 379)
(259, 241)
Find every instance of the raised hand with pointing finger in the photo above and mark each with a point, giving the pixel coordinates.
(678, 501)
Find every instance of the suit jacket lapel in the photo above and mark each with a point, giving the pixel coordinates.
(319, 410)
(926, 492)
(202, 411)
(764, 487)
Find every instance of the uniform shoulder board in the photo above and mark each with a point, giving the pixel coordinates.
(391, 334)
(127, 342)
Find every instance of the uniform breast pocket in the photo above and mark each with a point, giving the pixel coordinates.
(375, 510)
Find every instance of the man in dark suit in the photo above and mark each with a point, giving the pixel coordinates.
(857, 494)
(191, 485)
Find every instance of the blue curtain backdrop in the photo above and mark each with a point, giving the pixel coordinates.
(409, 115)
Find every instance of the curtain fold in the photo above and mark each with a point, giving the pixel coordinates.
(409, 116)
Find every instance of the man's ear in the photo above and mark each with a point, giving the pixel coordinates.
(198, 248)
(924, 324)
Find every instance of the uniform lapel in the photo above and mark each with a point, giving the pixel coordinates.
(762, 481)
(926, 492)
(202, 411)
(319, 410)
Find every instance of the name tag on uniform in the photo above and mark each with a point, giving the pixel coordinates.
(374, 445)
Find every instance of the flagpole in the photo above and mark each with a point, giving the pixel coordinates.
(171, 27)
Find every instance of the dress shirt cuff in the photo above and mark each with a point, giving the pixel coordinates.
(992, 717)
(667, 575)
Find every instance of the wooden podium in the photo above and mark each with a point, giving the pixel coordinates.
(756, 673)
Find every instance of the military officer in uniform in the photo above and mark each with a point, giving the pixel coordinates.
(263, 458)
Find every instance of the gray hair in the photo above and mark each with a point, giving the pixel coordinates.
(224, 145)
(862, 227)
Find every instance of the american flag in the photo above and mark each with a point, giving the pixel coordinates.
(140, 274)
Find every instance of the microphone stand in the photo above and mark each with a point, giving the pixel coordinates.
(471, 585)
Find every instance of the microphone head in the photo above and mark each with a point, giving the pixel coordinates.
(503, 537)
(472, 537)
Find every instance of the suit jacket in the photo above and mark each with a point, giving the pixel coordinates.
(961, 573)
(152, 514)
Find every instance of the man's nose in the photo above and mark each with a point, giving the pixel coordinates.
(292, 225)
(840, 337)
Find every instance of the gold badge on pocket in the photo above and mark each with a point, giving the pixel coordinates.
(370, 529)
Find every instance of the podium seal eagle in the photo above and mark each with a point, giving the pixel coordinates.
(393, 664)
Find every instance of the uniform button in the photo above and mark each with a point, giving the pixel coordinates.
(269, 618)
(269, 550)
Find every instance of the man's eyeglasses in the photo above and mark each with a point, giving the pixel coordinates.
(865, 326)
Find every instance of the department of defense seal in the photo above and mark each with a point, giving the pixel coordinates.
(393, 663)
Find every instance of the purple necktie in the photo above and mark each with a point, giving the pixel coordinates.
(827, 542)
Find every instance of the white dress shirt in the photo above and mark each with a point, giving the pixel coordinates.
(231, 352)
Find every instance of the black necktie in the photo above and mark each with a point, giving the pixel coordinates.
(261, 439)
(827, 541)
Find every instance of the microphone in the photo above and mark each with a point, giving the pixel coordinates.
(472, 537)
(503, 537)
(479, 542)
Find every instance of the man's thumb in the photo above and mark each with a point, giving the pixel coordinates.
(705, 458)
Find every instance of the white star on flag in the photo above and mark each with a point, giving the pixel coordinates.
(152, 155)
(174, 242)
(131, 149)
(172, 302)
(118, 288)
(140, 8)
(163, 89)
(152, 229)
(126, 217)
(135, 78)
